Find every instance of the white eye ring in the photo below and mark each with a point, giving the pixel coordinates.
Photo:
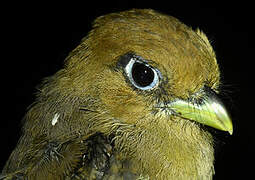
(151, 84)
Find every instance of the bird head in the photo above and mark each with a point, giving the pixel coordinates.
(152, 83)
(144, 62)
(147, 82)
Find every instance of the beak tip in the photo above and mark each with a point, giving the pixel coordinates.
(230, 130)
(229, 126)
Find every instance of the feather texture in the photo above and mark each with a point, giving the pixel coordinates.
(105, 128)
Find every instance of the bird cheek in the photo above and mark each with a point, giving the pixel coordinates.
(124, 108)
(131, 114)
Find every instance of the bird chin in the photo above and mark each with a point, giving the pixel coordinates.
(158, 149)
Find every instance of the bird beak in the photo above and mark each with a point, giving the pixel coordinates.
(210, 111)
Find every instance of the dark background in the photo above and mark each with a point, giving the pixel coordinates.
(37, 37)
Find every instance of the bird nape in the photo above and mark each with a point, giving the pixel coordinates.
(130, 103)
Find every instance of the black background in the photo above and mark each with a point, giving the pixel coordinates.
(36, 38)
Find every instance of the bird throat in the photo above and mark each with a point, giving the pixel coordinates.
(178, 151)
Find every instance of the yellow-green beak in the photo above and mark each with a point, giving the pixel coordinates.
(210, 112)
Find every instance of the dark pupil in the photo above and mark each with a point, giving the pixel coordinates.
(142, 75)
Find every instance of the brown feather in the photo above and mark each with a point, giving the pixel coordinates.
(94, 99)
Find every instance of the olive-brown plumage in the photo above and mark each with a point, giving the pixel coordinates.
(118, 108)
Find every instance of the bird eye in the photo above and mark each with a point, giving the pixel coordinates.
(141, 75)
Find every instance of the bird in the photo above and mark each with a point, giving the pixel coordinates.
(133, 100)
